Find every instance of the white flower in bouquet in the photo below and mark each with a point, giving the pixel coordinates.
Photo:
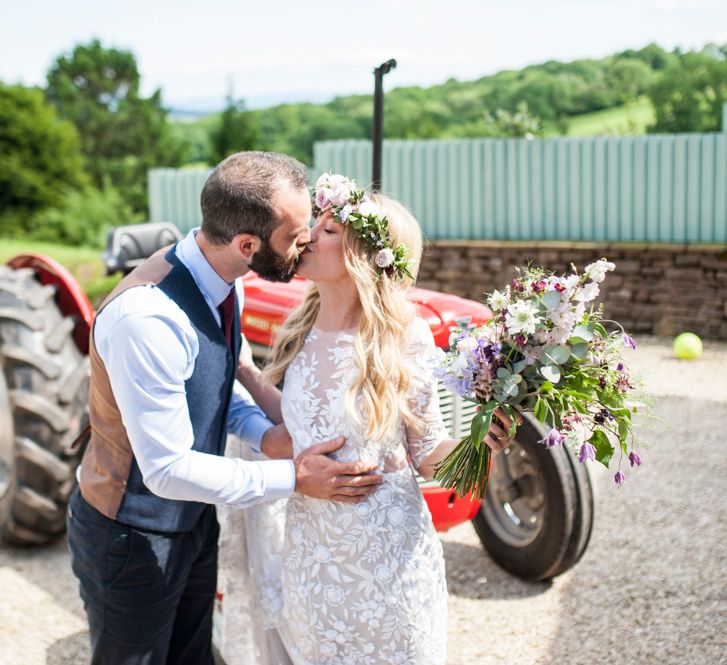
(498, 300)
(597, 271)
(467, 344)
(521, 318)
(588, 292)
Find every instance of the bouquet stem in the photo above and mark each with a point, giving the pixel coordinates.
(466, 469)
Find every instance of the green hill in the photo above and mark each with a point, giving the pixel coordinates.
(578, 98)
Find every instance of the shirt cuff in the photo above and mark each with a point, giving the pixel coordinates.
(253, 430)
(278, 478)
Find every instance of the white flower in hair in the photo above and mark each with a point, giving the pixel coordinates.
(345, 212)
(340, 194)
(368, 208)
(384, 258)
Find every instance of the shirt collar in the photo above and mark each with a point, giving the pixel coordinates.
(208, 280)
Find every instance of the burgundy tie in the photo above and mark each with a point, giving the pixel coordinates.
(227, 312)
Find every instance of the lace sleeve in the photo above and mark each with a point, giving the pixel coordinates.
(423, 395)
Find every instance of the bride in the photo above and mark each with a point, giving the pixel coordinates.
(327, 582)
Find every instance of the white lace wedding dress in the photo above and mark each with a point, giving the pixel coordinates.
(354, 584)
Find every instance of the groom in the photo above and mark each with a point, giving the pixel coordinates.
(142, 530)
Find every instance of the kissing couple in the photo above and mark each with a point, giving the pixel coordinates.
(347, 567)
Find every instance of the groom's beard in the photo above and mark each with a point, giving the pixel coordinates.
(271, 266)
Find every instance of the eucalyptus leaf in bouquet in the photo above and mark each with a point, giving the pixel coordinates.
(546, 351)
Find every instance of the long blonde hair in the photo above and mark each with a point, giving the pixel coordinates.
(383, 378)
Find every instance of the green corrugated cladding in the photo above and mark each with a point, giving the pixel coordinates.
(666, 188)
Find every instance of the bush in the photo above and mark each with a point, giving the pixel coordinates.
(84, 218)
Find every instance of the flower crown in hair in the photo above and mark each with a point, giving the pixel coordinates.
(353, 208)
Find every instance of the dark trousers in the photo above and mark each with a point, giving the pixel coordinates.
(149, 596)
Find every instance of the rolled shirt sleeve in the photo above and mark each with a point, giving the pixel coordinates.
(148, 348)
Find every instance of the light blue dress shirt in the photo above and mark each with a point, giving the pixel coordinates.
(149, 347)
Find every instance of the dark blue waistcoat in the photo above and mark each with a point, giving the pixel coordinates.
(208, 389)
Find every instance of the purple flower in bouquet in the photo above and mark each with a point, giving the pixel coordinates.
(601, 417)
(619, 478)
(552, 438)
(634, 458)
(587, 452)
(629, 342)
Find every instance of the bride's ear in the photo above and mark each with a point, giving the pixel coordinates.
(247, 244)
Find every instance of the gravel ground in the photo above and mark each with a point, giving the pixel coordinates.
(648, 590)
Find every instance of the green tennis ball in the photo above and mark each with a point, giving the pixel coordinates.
(687, 346)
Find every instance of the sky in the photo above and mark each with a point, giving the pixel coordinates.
(272, 50)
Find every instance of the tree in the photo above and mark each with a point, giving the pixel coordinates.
(40, 158)
(689, 95)
(122, 134)
(628, 78)
(237, 130)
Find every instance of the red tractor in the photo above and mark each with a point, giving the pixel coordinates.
(535, 521)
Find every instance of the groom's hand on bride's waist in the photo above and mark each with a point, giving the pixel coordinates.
(319, 476)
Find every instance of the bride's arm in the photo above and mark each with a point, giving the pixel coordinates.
(266, 396)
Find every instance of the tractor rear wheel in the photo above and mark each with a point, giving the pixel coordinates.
(43, 408)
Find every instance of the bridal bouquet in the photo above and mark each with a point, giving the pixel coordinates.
(545, 351)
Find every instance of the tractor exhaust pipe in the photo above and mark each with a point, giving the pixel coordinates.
(378, 133)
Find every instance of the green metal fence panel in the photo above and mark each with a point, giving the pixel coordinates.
(664, 188)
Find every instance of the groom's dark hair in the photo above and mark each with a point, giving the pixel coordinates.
(237, 197)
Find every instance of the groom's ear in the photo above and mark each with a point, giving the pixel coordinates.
(247, 244)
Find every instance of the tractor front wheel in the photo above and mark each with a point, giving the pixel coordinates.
(43, 400)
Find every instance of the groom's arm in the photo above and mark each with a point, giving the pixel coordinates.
(149, 353)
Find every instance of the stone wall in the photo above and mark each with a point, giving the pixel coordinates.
(655, 289)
